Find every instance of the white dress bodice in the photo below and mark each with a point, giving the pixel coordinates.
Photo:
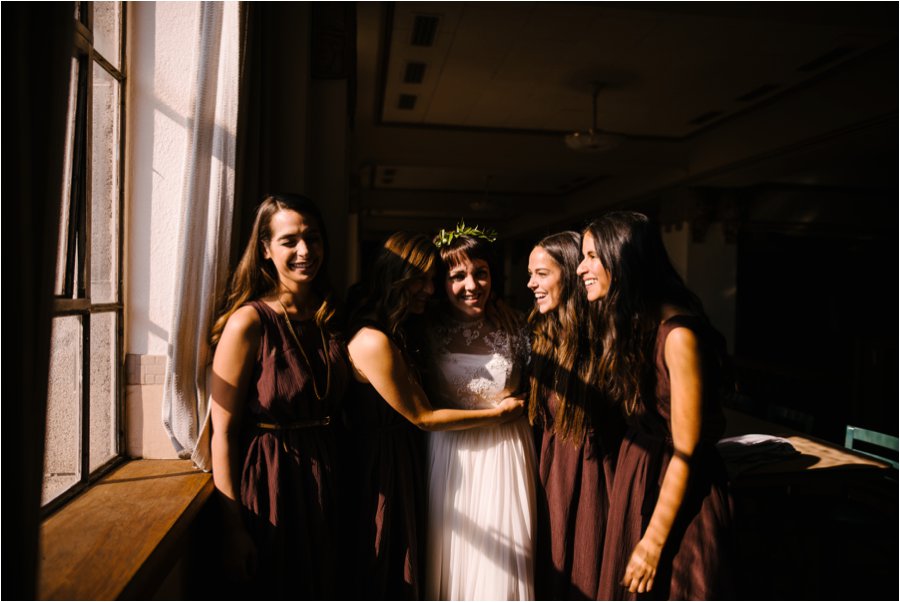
(473, 365)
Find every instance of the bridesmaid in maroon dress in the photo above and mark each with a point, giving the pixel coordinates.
(669, 526)
(279, 376)
(387, 412)
(579, 437)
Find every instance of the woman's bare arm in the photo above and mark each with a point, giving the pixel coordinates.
(378, 361)
(232, 369)
(683, 362)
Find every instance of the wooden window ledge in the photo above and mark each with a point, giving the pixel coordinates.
(120, 537)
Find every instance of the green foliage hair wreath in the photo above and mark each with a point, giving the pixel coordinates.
(445, 237)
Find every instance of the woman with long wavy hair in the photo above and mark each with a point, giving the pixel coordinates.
(579, 434)
(387, 411)
(279, 376)
(669, 528)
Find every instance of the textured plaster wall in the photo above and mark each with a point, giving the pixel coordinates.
(162, 43)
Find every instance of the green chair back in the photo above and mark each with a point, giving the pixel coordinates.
(856, 434)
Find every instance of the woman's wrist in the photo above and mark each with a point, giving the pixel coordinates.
(654, 537)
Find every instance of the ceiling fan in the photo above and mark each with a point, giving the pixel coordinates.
(592, 140)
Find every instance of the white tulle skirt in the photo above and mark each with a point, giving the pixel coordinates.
(481, 514)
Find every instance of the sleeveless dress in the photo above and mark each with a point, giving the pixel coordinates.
(289, 480)
(481, 481)
(387, 497)
(573, 501)
(697, 561)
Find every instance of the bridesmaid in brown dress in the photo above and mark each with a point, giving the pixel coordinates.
(669, 527)
(279, 376)
(387, 412)
(578, 435)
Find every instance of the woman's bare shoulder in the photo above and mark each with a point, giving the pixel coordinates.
(368, 340)
(245, 321)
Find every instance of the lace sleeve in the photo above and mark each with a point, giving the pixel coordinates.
(521, 348)
(524, 349)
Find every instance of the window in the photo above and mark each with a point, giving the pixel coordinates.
(84, 434)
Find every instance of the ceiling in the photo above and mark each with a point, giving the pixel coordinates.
(462, 107)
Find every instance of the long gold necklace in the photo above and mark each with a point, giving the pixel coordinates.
(312, 374)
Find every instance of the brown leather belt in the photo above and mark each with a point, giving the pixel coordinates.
(292, 426)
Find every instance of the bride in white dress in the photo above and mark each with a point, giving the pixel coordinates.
(481, 484)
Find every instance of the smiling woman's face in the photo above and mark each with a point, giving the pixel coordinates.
(595, 277)
(420, 291)
(468, 287)
(296, 248)
(544, 280)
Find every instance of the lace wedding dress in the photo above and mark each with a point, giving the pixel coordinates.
(481, 482)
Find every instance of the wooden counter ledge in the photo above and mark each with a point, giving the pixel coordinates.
(120, 538)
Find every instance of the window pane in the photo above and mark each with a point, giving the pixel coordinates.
(62, 459)
(103, 388)
(59, 287)
(106, 30)
(104, 187)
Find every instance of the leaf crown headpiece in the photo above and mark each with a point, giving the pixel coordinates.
(445, 237)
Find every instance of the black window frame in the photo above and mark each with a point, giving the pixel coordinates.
(75, 297)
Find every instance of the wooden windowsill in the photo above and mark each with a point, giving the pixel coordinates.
(119, 538)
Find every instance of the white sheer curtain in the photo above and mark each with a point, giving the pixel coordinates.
(205, 231)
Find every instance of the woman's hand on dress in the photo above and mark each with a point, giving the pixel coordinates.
(510, 408)
(642, 565)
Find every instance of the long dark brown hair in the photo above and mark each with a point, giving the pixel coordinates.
(642, 280)
(560, 346)
(403, 258)
(256, 277)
